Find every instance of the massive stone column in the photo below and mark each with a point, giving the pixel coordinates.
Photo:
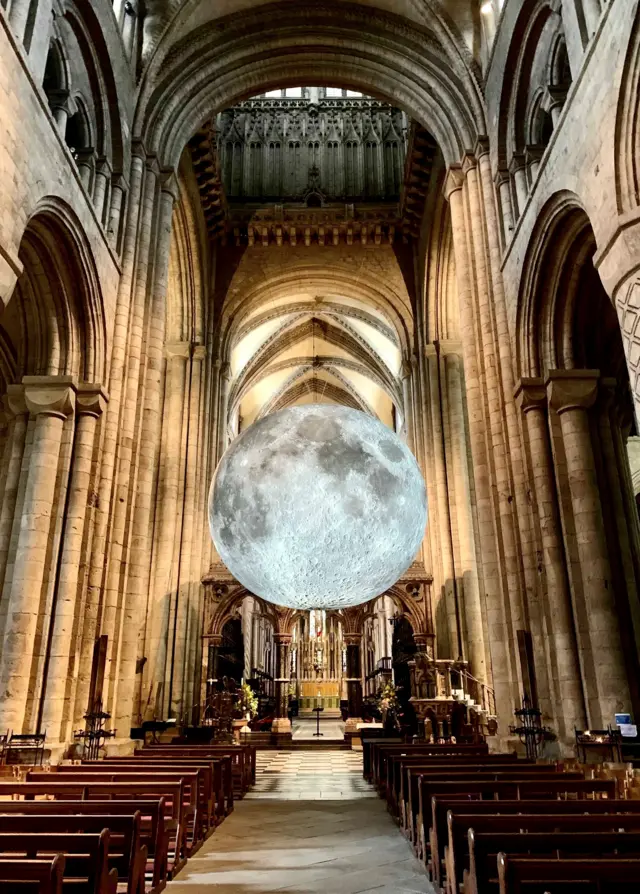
(163, 598)
(130, 633)
(571, 393)
(559, 631)
(460, 488)
(13, 453)
(353, 642)
(49, 400)
(498, 635)
(282, 724)
(63, 653)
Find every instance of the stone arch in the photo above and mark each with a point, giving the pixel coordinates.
(578, 413)
(55, 317)
(627, 136)
(533, 94)
(382, 296)
(425, 73)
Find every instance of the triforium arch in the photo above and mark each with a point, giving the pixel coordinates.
(578, 413)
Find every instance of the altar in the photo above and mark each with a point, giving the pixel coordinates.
(320, 694)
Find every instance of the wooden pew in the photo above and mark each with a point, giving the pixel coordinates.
(206, 795)
(32, 876)
(484, 783)
(86, 869)
(154, 834)
(221, 768)
(395, 786)
(192, 786)
(179, 814)
(459, 822)
(484, 848)
(411, 773)
(380, 752)
(243, 759)
(127, 853)
(531, 875)
(512, 789)
(367, 753)
(509, 811)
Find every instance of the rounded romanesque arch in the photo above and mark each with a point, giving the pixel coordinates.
(426, 73)
(578, 413)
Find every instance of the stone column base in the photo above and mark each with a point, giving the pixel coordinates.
(281, 735)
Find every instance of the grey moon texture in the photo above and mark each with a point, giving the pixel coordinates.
(317, 506)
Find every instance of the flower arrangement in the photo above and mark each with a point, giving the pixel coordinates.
(388, 698)
(248, 701)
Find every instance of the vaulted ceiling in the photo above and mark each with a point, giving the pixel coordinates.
(310, 348)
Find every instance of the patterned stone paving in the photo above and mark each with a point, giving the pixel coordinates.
(345, 843)
(310, 776)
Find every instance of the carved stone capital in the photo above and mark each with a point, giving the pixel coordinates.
(572, 389)
(14, 400)
(181, 349)
(169, 184)
(199, 352)
(91, 400)
(517, 162)
(469, 163)
(283, 639)
(352, 639)
(531, 394)
(453, 181)
(50, 395)
(213, 639)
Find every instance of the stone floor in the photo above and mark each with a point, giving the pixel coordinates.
(305, 727)
(310, 776)
(345, 843)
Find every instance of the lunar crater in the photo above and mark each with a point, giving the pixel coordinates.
(317, 507)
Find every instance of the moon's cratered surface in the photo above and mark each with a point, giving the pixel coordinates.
(317, 506)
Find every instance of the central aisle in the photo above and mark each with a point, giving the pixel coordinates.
(298, 840)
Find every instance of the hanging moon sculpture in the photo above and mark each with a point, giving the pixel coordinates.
(317, 506)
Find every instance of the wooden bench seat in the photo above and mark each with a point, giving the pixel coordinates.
(86, 867)
(505, 810)
(32, 876)
(457, 859)
(243, 759)
(398, 764)
(127, 852)
(221, 769)
(481, 784)
(484, 847)
(178, 812)
(191, 781)
(532, 875)
(380, 752)
(69, 815)
(407, 808)
(483, 789)
(203, 780)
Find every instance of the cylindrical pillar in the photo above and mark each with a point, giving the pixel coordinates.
(559, 631)
(353, 642)
(61, 669)
(49, 400)
(282, 724)
(460, 489)
(14, 450)
(571, 393)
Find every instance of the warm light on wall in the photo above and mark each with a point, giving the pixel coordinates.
(487, 8)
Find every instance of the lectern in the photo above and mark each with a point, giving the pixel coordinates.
(318, 710)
